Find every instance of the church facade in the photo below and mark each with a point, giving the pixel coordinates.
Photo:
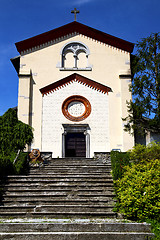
(73, 87)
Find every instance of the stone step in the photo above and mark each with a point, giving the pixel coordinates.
(71, 166)
(13, 188)
(67, 184)
(61, 189)
(69, 171)
(59, 193)
(53, 194)
(65, 188)
(74, 208)
(58, 201)
(60, 225)
(76, 231)
(75, 163)
(56, 208)
(61, 182)
(75, 236)
(76, 159)
(56, 197)
(58, 175)
(58, 178)
(84, 168)
(63, 214)
(73, 159)
(72, 170)
(18, 208)
(49, 166)
(95, 226)
(53, 191)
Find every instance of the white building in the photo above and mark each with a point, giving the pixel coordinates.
(73, 87)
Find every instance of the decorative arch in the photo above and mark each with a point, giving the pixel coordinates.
(75, 48)
(76, 108)
(76, 42)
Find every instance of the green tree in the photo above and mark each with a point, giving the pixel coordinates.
(14, 134)
(144, 109)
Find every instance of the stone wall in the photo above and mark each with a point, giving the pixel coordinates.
(104, 157)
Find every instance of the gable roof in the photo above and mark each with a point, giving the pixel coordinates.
(75, 78)
(73, 28)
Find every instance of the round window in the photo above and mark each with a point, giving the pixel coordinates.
(76, 108)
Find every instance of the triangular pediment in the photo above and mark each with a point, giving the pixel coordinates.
(69, 30)
(75, 78)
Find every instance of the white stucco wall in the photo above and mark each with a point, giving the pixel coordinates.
(53, 119)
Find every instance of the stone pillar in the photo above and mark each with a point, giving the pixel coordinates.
(127, 139)
(63, 144)
(25, 98)
(87, 144)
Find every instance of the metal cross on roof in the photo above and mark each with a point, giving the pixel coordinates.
(75, 11)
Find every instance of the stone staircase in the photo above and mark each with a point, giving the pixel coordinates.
(61, 188)
(83, 230)
(64, 199)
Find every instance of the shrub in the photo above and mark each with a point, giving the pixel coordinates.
(6, 166)
(118, 161)
(14, 135)
(155, 225)
(22, 165)
(138, 191)
(142, 152)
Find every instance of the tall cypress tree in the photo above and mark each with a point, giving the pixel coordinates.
(144, 109)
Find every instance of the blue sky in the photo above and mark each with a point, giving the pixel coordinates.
(130, 20)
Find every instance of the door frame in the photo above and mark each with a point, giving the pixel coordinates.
(76, 128)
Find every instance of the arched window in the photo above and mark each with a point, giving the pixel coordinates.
(74, 56)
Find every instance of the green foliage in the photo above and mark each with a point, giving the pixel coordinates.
(138, 191)
(14, 134)
(144, 110)
(21, 166)
(6, 166)
(155, 225)
(138, 188)
(145, 153)
(118, 161)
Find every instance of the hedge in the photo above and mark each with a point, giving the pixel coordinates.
(119, 160)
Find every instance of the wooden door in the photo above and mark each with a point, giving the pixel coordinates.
(75, 145)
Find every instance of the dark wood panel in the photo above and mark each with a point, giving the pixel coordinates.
(75, 145)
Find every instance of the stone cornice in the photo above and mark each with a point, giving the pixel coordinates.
(75, 78)
(69, 30)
